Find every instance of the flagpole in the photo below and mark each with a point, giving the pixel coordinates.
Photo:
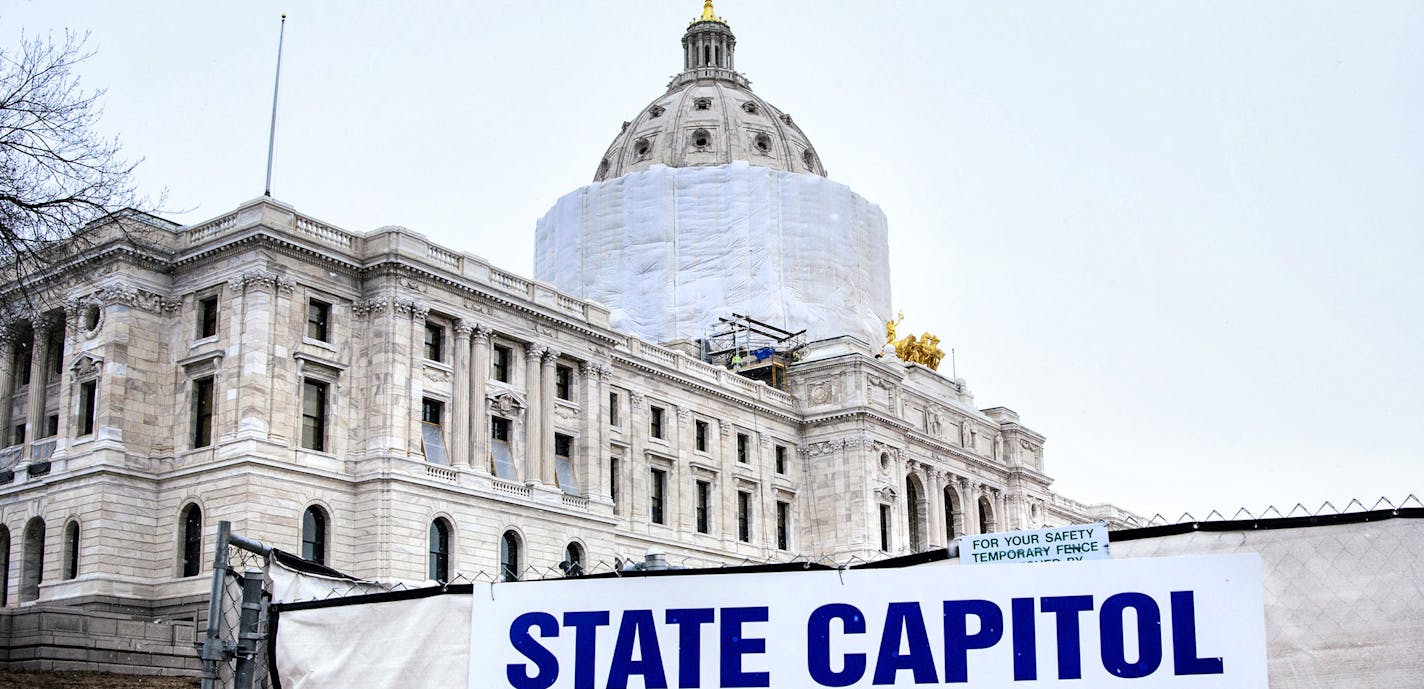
(276, 82)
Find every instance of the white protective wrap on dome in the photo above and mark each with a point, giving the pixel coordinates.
(669, 250)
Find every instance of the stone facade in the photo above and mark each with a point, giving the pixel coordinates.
(179, 368)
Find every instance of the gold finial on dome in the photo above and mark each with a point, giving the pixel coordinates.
(708, 14)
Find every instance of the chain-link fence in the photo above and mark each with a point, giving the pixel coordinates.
(234, 647)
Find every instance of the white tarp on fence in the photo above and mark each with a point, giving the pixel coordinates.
(1343, 604)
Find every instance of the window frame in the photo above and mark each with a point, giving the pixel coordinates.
(510, 550)
(202, 427)
(744, 516)
(701, 431)
(744, 444)
(781, 459)
(657, 496)
(190, 540)
(315, 541)
(434, 341)
(322, 325)
(564, 382)
(70, 566)
(500, 369)
(318, 441)
(783, 525)
(657, 426)
(438, 550)
(703, 520)
(207, 317)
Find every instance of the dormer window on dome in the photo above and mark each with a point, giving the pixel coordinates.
(701, 139)
(701, 103)
(751, 108)
(656, 111)
(762, 143)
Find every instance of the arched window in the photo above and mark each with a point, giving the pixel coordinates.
(917, 513)
(71, 550)
(573, 561)
(190, 540)
(439, 568)
(509, 557)
(314, 535)
(951, 509)
(4, 566)
(986, 516)
(32, 572)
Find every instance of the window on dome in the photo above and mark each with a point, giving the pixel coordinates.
(809, 158)
(701, 139)
(641, 148)
(702, 104)
(656, 111)
(762, 143)
(751, 108)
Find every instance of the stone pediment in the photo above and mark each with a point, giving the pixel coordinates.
(87, 365)
(506, 402)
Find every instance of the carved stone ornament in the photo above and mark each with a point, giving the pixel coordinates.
(412, 285)
(506, 403)
(724, 427)
(371, 307)
(87, 366)
(412, 308)
(820, 392)
(464, 329)
(478, 307)
(684, 415)
(437, 375)
(635, 399)
(563, 413)
(887, 493)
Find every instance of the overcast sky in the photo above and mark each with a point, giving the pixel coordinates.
(1182, 239)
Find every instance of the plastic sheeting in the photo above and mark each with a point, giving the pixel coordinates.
(669, 250)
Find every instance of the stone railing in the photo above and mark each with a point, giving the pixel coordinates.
(442, 474)
(575, 502)
(210, 229)
(443, 257)
(518, 490)
(325, 233)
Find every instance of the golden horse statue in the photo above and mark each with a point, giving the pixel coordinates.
(923, 350)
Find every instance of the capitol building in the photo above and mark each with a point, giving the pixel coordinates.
(699, 366)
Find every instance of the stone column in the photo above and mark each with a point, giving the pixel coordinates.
(934, 487)
(415, 376)
(726, 480)
(589, 463)
(681, 490)
(971, 507)
(254, 395)
(459, 399)
(533, 415)
(635, 467)
(7, 380)
(39, 378)
(479, 419)
(546, 414)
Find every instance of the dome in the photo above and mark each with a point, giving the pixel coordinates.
(709, 116)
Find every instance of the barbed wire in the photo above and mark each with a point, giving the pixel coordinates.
(1326, 508)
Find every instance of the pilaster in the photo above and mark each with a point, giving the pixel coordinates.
(461, 397)
(533, 415)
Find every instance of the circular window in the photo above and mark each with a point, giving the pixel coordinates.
(763, 143)
(641, 147)
(701, 138)
(91, 317)
(884, 460)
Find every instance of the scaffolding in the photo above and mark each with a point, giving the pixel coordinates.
(754, 349)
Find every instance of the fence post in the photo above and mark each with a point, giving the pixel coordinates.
(214, 652)
(249, 635)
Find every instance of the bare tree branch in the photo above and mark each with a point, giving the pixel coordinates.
(57, 174)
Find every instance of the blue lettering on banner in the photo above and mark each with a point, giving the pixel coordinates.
(903, 652)
(818, 651)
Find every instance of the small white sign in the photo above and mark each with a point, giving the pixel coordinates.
(1059, 544)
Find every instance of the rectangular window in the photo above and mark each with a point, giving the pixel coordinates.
(744, 516)
(783, 525)
(318, 316)
(314, 415)
(701, 436)
(51, 425)
(780, 459)
(884, 528)
(564, 382)
(613, 482)
(203, 412)
(564, 475)
(207, 317)
(19, 434)
(501, 457)
(500, 362)
(744, 442)
(704, 500)
(88, 395)
(56, 354)
(613, 409)
(432, 411)
(655, 423)
(23, 357)
(499, 429)
(658, 492)
(434, 342)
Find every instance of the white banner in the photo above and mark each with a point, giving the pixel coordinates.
(1155, 622)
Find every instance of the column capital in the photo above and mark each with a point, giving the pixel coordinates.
(534, 352)
(481, 334)
(551, 355)
(464, 329)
